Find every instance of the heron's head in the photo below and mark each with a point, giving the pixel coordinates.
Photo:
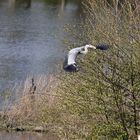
(90, 46)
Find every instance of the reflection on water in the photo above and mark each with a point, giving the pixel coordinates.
(59, 3)
(31, 39)
(18, 3)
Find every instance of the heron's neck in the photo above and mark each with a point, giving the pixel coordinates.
(86, 49)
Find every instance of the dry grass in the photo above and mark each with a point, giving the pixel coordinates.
(37, 94)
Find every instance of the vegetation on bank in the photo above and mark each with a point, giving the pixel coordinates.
(102, 100)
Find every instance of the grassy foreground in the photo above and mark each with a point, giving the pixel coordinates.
(102, 101)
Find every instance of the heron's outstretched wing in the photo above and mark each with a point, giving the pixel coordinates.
(102, 47)
(71, 68)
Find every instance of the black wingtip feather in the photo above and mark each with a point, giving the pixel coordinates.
(102, 47)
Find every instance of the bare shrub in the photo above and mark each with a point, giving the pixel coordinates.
(104, 96)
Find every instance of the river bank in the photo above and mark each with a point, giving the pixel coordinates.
(28, 114)
(26, 136)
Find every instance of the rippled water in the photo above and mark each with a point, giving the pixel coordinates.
(31, 36)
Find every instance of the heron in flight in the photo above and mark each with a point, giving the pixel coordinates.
(70, 60)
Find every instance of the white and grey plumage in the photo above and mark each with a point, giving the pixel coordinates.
(70, 60)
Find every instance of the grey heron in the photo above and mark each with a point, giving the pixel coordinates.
(70, 60)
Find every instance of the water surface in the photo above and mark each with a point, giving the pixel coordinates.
(31, 36)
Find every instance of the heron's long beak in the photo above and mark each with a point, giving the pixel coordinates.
(91, 46)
